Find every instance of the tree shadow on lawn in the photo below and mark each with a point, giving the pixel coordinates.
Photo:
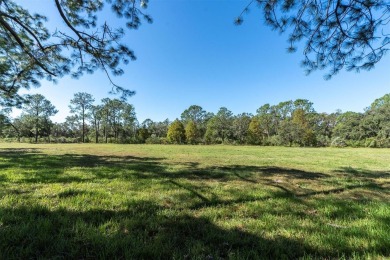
(141, 231)
(44, 168)
(34, 158)
(363, 173)
(38, 167)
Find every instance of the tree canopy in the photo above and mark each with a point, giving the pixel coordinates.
(38, 110)
(30, 52)
(80, 105)
(337, 34)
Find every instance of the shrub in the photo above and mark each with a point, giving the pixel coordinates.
(275, 140)
(338, 142)
(370, 142)
(355, 143)
(383, 143)
(156, 140)
(323, 141)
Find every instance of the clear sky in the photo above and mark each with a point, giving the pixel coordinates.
(193, 54)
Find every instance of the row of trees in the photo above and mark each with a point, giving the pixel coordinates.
(289, 123)
(113, 120)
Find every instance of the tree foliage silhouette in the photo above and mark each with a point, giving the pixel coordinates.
(29, 52)
(337, 34)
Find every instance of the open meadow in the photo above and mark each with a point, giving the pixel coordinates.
(193, 202)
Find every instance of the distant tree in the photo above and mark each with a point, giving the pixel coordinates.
(219, 127)
(376, 121)
(348, 126)
(224, 123)
(161, 128)
(303, 104)
(240, 127)
(72, 126)
(116, 116)
(96, 117)
(192, 133)
(105, 118)
(39, 109)
(21, 127)
(147, 123)
(176, 132)
(287, 132)
(212, 135)
(302, 131)
(146, 130)
(255, 131)
(270, 117)
(380, 102)
(143, 134)
(80, 105)
(282, 111)
(128, 121)
(198, 115)
(193, 113)
(323, 126)
(296, 129)
(60, 130)
(267, 119)
(117, 108)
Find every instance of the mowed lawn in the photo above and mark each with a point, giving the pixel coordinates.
(79, 201)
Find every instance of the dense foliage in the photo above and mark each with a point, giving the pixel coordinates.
(289, 123)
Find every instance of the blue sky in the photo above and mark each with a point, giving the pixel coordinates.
(193, 54)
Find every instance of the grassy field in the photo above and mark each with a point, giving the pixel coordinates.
(193, 202)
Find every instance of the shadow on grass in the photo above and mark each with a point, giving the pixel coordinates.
(363, 173)
(142, 231)
(136, 233)
(43, 168)
(37, 167)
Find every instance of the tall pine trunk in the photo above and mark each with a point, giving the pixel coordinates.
(36, 129)
(96, 131)
(83, 138)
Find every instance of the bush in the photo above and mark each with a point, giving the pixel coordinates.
(355, 143)
(275, 140)
(156, 140)
(384, 143)
(370, 142)
(132, 140)
(373, 144)
(338, 142)
(9, 140)
(228, 141)
(323, 141)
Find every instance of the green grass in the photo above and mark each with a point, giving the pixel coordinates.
(193, 202)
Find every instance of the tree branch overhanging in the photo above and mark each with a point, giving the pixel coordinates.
(33, 53)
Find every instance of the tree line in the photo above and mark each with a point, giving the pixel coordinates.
(289, 123)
